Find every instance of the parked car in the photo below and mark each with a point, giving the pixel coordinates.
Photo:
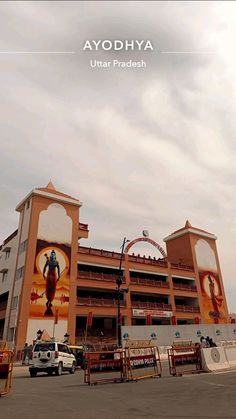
(79, 352)
(51, 357)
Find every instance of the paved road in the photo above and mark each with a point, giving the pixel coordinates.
(211, 396)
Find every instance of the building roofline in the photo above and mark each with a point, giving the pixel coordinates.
(190, 230)
(57, 196)
(9, 238)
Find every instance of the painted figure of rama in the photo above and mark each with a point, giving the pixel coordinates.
(51, 272)
(216, 301)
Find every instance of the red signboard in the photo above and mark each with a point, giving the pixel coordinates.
(148, 320)
(90, 319)
(173, 320)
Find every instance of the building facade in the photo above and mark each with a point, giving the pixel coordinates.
(49, 279)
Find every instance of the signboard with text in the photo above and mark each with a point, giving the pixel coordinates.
(152, 313)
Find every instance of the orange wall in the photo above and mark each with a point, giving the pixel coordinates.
(212, 244)
(40, 203)
(179, 249)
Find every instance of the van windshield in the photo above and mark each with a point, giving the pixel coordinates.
(49, 346)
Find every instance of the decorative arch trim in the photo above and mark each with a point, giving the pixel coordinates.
(146, 239)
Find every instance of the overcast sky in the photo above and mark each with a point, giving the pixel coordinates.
(141, 148)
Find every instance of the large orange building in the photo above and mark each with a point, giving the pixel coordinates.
(50, 280)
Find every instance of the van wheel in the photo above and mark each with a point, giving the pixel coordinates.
(72, 370)
(59, 369)
(33, 373)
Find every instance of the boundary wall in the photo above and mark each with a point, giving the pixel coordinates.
(222, 357)
(166, 335)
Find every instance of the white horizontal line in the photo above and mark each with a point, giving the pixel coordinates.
(187, 52)
(37, 52)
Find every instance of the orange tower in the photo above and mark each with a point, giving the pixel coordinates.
(196, 247)
(49, 228)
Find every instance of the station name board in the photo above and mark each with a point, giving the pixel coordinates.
(152, 313)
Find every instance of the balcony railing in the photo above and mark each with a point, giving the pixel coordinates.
(116, 255)
(98, 252)
(182, 267)
(132, 258)
(3, 305)
(97, 276)
(149, 282)
(99, 302)
(185, 287)
(148, 260)
(101, 333)
(150, 305)
(187, 309)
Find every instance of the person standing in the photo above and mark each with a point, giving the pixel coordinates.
(25, 357)
(204, 343)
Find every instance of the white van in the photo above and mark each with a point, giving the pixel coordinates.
(51, 357)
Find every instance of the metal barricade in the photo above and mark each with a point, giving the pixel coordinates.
(6, 366)
(104, 363)
(142, 361)
(184, 359)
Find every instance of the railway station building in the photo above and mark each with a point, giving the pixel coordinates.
(50, 280)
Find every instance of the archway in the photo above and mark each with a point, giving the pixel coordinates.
(146, 239)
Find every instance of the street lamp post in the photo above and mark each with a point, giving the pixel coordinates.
(120, 291)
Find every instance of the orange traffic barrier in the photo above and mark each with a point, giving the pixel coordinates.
(104, 362)
(143, 361)
(184, 359)
(6, 366)
(138, 360)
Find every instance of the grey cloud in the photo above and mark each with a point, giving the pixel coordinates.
(141, 149)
